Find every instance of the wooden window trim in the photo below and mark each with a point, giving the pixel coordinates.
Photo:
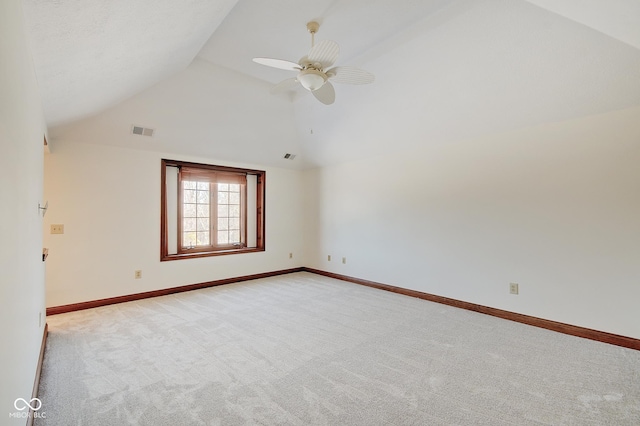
(221, 251)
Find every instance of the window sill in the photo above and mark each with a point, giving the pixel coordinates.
(180, 256)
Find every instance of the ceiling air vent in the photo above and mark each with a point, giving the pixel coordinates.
(142, 131)
(288, 156)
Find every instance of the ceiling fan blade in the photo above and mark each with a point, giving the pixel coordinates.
(326, 94)
(278, 63)
(350, 75)
(325, 52)
(284, 85)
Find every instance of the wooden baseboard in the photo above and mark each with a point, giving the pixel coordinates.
(163, 292)
(36, 382)
(573, 330)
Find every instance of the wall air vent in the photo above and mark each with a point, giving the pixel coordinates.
(288, 156)
(142, 131)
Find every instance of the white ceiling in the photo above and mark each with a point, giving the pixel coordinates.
(444, 70)
(92, 54)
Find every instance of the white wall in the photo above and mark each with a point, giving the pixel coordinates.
(21, 268)
(108, 199)
(554, 208)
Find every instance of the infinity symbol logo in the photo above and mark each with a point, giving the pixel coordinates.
(35, 407)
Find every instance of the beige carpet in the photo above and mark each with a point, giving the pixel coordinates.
(302, 349)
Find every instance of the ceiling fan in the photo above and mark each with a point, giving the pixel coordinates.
(314, 72)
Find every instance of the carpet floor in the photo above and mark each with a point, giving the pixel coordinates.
(303, 349)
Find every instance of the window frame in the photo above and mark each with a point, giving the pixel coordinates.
(213, 213)
(210, 250)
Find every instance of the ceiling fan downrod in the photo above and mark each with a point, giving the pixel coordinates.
(313, 27)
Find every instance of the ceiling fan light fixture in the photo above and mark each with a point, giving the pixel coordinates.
(312, 79)
(311, 70)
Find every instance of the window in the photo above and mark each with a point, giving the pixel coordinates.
(210, 210)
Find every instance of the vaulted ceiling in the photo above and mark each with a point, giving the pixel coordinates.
(445, 70)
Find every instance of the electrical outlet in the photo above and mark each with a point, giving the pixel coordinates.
(138, 274)
(290, 255)
(344, 260)
(57, 229)
(328, 258)
(513, 288)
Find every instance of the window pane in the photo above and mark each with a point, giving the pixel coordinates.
(223, 237)
(223, 211)
(203, 186)
(203, 197)
(234, 211)
(234, 224)
(223, 224)
(234, 187)
(188, 184)
(203, 239)
(203, 225)
(203, 210)
(189, 196)
(188, 224)
(234, 198)
(234, 236)
(223, 187)
(188, 239)
(189, 210)
(223, 197)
